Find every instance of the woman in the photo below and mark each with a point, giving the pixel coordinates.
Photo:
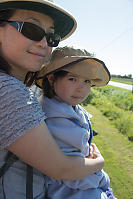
(28, 31)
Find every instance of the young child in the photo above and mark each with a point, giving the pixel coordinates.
(66, 82)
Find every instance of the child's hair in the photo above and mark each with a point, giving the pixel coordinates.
(48, 90)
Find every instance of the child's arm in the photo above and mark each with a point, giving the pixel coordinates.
(102, 176)
(96, 180)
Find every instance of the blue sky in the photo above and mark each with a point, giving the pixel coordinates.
(105, 28)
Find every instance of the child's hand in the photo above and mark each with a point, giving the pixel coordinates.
(94, 152)
(96, 156)
(91, 152)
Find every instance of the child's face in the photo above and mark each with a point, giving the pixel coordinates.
(21, 53)
(72, 89)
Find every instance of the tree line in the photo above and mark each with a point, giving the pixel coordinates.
(129, 76)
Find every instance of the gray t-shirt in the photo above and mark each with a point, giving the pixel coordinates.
(19, 112)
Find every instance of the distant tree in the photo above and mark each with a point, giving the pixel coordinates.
(130, 76)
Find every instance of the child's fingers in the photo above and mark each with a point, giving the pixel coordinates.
(95, 149)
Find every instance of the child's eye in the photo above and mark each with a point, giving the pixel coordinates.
(88, 81)
(72, 79)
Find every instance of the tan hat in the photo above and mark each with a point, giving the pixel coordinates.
(90, 68)
(64, 22)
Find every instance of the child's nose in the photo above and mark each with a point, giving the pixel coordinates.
(80, 86)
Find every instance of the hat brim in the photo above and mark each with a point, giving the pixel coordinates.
(90, 68)
(64, 22)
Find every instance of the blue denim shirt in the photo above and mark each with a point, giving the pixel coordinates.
(72, 137)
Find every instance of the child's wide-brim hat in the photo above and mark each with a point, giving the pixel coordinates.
(90, 68)
(64, 22)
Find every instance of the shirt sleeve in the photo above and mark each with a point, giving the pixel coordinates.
(19, 110)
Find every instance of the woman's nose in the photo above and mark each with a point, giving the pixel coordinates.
(43, 43)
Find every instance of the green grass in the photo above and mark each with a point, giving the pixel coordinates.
(117, 151)
(115, 104)
(122, 80)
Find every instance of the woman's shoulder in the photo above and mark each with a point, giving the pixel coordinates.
(19, 109)
(14, 94)
(13, 88)
(9, 82)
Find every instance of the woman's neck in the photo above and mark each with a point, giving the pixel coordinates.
(19, 74)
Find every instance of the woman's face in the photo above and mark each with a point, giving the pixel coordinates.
(23, 54)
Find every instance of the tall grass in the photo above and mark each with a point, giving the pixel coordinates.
(117, 151)
(115, 104)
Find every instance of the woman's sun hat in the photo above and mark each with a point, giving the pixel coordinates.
(64, 22)
(88, 67)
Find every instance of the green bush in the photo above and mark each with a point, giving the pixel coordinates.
(111, 111)
(123, 100)
(123, 123)
(115, 104)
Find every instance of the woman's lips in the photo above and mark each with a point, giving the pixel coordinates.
(37, 54)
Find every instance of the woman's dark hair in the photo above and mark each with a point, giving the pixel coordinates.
(48, 90)
(5, 15)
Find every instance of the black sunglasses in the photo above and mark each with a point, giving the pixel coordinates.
(34, 32)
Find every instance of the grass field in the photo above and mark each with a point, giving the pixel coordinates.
(122, 80)
(117, 151)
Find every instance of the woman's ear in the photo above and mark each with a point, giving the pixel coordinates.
(50, 78)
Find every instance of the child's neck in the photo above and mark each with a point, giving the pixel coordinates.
(59, 99)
